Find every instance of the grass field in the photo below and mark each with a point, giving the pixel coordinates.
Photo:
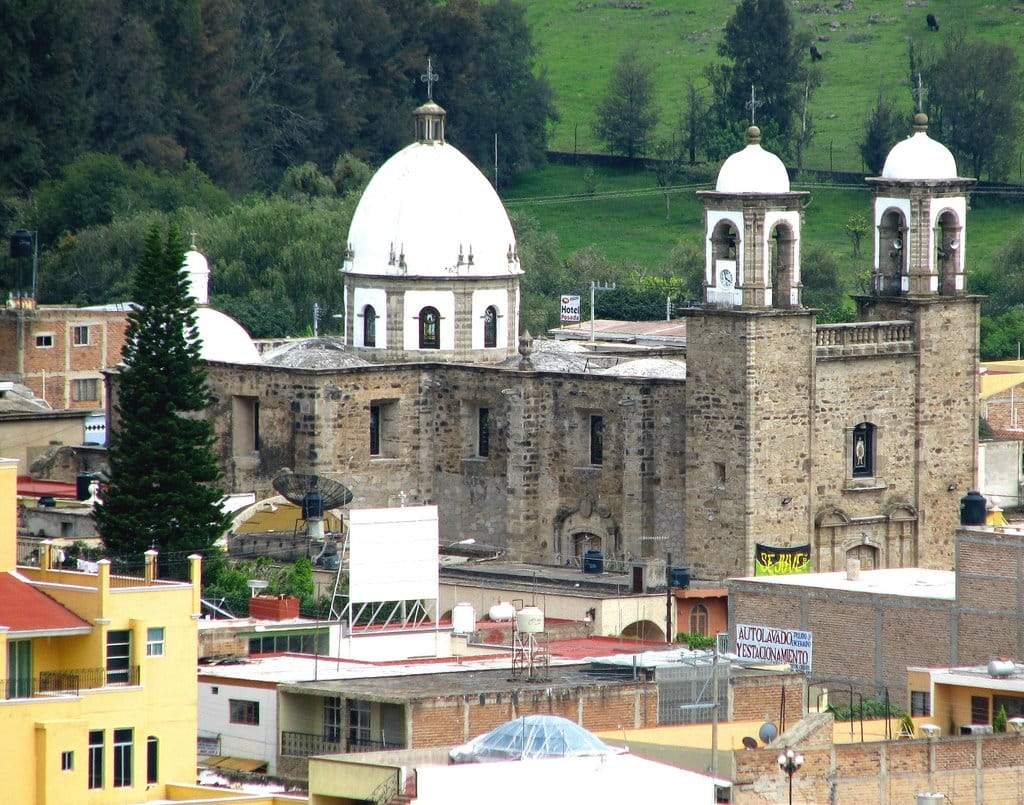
(635, 229)
(579, 41)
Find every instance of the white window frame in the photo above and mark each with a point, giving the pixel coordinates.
(44, 335)
(75, 329)
(75, 395)
(155, 645)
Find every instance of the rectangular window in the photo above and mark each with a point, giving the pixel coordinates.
(119, 656)
(596, 440)
(920, 703)
(96, 759)
(244, 712)
(85, 389)
(358, 723)
(122, 758)
(44, 340)
(374, 430)
(152, 757)
(155, 642)
(332, 719)
(67, 761)
(483, 432)
(979, 709)
(245, 425)
(863, 458)
(80, 335)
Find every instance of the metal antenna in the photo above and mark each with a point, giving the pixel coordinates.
(753, 104)
(920, 94)
(429, 78)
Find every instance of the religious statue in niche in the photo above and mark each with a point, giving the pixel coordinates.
(863, 449)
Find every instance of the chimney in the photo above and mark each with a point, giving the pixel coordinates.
(273, 607)
(852, 569)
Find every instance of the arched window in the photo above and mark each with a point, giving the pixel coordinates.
(369, 326)
(947, 244)
(863, 451)
(430, 328)
(782, 263)
(892, 252)
(490, 327)
(699, 620)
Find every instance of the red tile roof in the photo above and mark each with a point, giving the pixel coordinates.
(24, 609)
(32, 487)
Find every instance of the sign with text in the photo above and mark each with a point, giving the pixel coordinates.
(570, 308)
(772, 561)
(770, 645)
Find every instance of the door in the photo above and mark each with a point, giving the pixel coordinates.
(868, 555)
(19, 669)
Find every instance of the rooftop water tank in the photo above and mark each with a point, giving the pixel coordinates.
(972, 508)
(1001, 668)
(530, 620)
(593, 561)
(503, 611)
(463, 619)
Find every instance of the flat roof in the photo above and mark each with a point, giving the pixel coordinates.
(909, 582)
(976, 676)
(471, 681)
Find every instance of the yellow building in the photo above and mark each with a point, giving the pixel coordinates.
(98, 696)
(966, 700)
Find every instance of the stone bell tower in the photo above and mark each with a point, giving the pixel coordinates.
(750, 365)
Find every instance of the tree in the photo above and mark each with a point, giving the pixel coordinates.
(693, 123)
(856, 227)
(822, 283)
(883, 128)
(763, 50)
(999, 720)
(163, 489)
(667, 167)
(350, 174)
(626, 116)
(974, 90)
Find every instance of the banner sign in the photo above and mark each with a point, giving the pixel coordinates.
(570, 308)
(772, 561)
(769, 645)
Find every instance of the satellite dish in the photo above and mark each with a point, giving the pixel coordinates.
(315, 494)
(768, 732)
(749, 743)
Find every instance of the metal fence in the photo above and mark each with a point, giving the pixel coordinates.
(208, 744)
(69, 682)
(685, 693)
(304, 744)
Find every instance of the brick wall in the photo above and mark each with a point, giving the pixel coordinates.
(756, 697)
(453, 720)
(969, 769)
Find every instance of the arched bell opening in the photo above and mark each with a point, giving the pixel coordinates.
(892, 253)
(723, 271)
(947, 247)
(782, 266)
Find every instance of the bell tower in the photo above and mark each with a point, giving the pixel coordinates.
(750, 367)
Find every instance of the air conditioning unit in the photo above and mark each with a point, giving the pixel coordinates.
(975, 729)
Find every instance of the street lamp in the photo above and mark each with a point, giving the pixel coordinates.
(790, 762)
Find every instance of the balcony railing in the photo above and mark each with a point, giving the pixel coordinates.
(208, 743)
(863, 333)
(304, 744)
(69, 682)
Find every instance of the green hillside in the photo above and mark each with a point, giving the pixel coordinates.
(867, 44)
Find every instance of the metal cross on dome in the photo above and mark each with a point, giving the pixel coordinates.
(429, 78)
(920, 93)
(752, 104)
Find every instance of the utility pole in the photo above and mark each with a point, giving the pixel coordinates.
(316, 320)
(495, 161)
(668, 308)
(668, 598)
(594, 288)
(714, 711)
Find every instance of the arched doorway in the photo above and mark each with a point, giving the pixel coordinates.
(648, 631)
(699, 620)
(867, 554)
(583, 542)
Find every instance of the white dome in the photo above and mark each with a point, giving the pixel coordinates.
(198, 270)
(753, 170)
(223, 338)
(919, 158)
(429, 203)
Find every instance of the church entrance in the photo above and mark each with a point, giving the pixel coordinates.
(868, 555)
(581, 543)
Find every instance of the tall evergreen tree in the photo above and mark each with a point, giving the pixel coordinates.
(884, 127)
(626, 117)
(163, 475)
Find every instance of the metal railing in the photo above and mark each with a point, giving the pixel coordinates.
(68, 682)
(208, 745)
(867, 332)
(368, 745)
(304, 744)
(388, 789)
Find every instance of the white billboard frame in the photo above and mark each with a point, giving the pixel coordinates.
(774, 646)
(393, 554)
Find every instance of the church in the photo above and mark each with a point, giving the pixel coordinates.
(855, 439)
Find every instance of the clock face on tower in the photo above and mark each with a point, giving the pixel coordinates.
(725, 278)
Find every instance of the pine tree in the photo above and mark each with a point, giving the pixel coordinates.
(163, 474)
(626, 116)
(884, 127)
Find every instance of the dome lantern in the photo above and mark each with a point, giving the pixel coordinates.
(429, 117)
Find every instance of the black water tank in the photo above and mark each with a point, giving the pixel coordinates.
(593, 561)
(680, 578)
(21, 243)
(82, 481)
(972, 508)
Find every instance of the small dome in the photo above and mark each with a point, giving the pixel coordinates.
(429, 212)
(532, 737)
(224, 339)
(753, 170)
(919, 157)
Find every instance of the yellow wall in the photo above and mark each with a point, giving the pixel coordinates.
(36, 731)
(332, 781)
(951, 704)
(8, 514)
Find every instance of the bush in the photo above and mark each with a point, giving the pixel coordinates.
(873, 708)
(696, 641)
(999, 722)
